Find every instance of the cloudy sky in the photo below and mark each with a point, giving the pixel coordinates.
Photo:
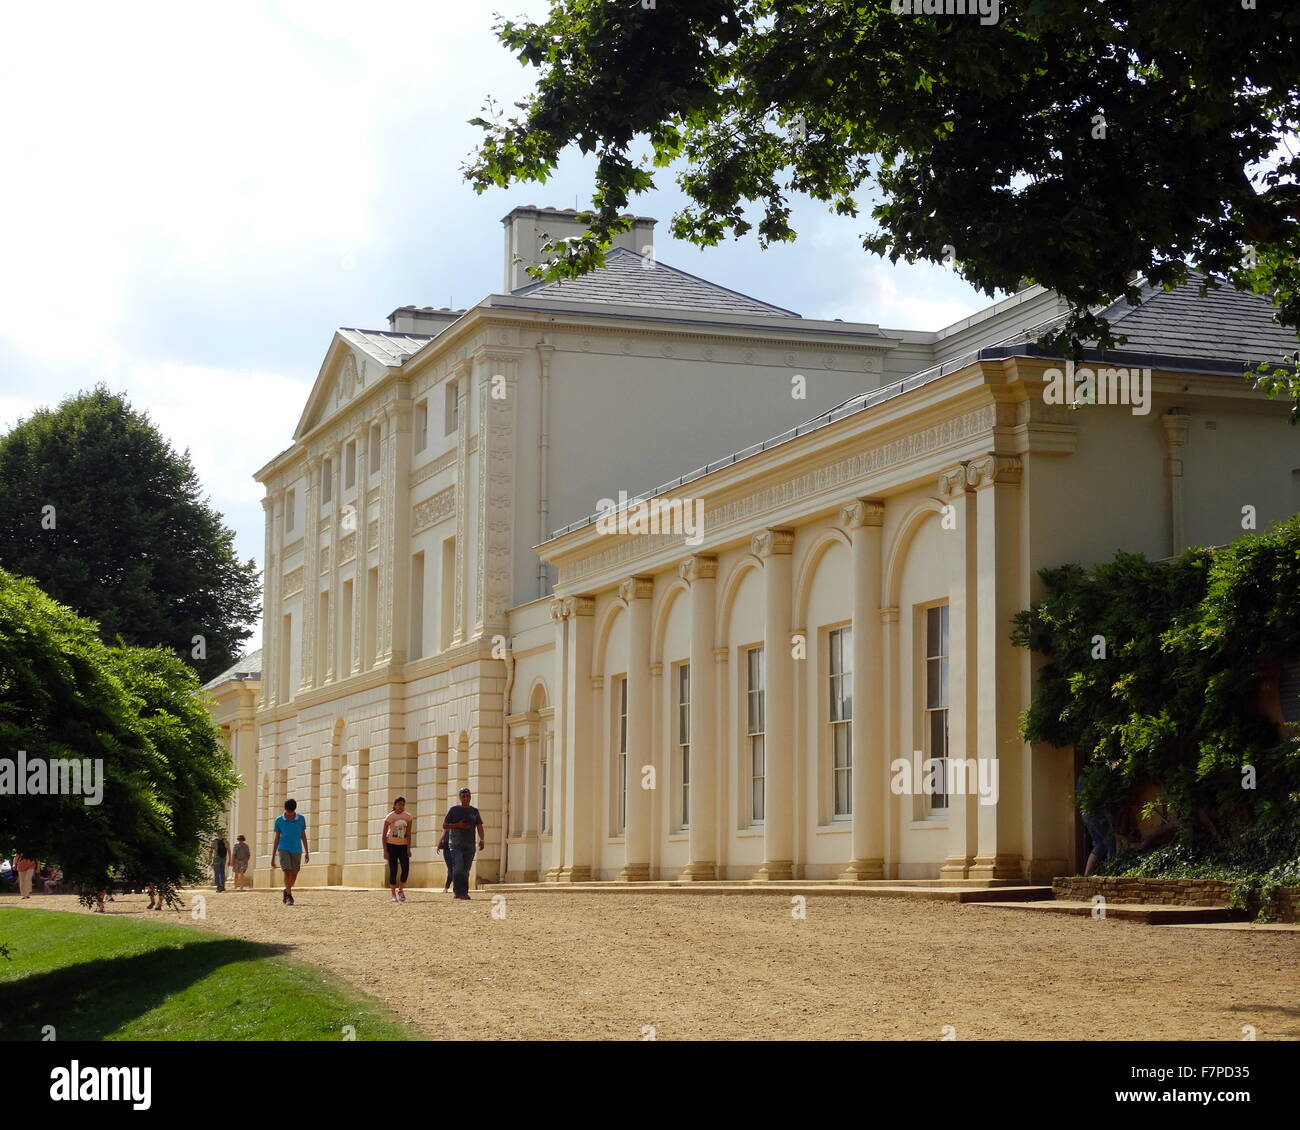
(194, 199)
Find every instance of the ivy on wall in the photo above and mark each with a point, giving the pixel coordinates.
(1158, 673)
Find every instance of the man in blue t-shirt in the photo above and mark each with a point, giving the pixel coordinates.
(291, 843)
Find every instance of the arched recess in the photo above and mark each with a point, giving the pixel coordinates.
(808, 569)
(608, 619)
(897, 558)
(659, 625)
(729, 589)
(538, 696)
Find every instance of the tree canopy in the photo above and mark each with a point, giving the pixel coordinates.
(98, 508)
(166, 776)
(1074, 143)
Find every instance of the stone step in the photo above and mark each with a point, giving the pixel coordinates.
(945, 893)
(1153, 914)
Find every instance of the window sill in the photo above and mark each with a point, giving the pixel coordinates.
(839, 828)
(679, 837)
(752, 832)
(933, 823)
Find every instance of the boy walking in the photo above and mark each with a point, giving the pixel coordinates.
(291, 844)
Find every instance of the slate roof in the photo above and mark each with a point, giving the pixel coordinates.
(250, 667)
(629, 279)
(385, 347)
(1225, 325)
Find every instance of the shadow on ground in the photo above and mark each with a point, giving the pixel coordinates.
(96, 998)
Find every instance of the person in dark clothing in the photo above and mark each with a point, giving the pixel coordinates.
(219, 853)
(462, 821)
(446, 858)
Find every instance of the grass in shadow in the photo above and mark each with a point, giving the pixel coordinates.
(93, 977)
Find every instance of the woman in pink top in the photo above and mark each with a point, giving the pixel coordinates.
(397, 848)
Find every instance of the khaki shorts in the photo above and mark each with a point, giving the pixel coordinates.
(239, 866)
(291, 862)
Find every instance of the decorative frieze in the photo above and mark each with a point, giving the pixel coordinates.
(325, 560)
(372, 534)
(347, 548)
(293, 581)
(433, 509)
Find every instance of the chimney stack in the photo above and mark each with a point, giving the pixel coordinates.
(421, 320)
(528, 227)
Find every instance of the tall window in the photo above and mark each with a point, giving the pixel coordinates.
(841, 716)
(327, 481)
(684, 739)
(421, 425)
(936, 698)
(544, 784)
(620, 778)
(754, 730)
(350, 465)
(290, 505)
(376, 447)
(451, 409)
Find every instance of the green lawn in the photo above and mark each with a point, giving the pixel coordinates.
(98, 978)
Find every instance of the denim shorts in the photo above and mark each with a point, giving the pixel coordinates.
(1099, 835)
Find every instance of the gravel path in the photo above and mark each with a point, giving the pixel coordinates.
(615, 966)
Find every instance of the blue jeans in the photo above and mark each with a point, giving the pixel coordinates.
(219, 873)
(461, 859)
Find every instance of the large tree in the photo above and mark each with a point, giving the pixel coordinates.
(139, 712)
(97, 507)
(1076, 143)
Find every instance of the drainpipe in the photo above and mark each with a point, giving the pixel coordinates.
(505, 759)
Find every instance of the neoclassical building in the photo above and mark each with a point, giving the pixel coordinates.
(449, 600)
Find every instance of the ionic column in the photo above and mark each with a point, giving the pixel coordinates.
(636, 593)
(958, 529)
(700, 572)
(864, 519)
(774, 547)
(996, 479)
(574, 831)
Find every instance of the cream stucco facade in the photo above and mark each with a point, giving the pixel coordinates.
(424, 629)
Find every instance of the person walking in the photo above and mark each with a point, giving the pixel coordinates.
(239, 862)
(461, 822)
(26, 871)
(219, 853)
(446, 858)
(291, 843)
(397, 848)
